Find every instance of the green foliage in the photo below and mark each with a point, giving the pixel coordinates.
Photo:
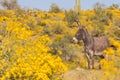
(71, 16)
(10, 4)
(114, 6)
(55, 8)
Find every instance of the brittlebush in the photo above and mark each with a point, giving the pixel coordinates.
(25, 56)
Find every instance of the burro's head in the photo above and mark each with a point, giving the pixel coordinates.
(79, 34)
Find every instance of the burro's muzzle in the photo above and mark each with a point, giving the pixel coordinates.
(75, 40)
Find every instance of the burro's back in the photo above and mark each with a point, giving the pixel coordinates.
(100, 43)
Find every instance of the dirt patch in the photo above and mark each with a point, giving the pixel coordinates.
(82, 74)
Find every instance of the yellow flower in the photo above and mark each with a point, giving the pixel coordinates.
(1, 37)
(106, 73)
(109, 51)
(60, 52)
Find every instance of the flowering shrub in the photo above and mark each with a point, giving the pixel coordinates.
(25, 56)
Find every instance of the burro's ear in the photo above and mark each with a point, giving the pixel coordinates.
(79, 24)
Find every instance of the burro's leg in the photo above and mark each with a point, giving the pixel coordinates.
(92, 61)
(92, 57)
(88, 60)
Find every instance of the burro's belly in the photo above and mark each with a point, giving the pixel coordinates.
(98, 53)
